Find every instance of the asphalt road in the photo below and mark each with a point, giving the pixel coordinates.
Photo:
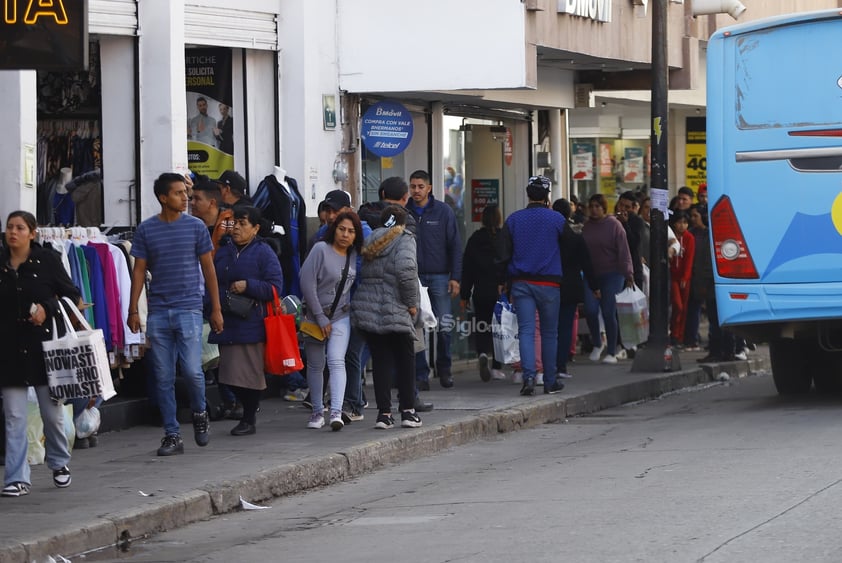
(728, 472)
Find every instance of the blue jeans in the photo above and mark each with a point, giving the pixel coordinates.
(440, 299)
(57, 451)
(609, 286)
(357, 349)
(527, 298)
(176, 334)
(334, 347)
(566, 314)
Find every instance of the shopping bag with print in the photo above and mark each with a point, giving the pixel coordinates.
(281, 356)
(504, 332)
(77, 363)
(633, 316)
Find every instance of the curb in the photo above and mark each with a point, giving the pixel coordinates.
(120, 529)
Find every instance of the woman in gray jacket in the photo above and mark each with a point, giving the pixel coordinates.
(384, 308)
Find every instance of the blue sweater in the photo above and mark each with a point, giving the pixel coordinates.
(536, 244)
(438, 239)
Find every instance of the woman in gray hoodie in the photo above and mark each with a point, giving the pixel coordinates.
(384, 308)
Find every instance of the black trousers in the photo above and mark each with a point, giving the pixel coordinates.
(250, 399)
(483, 341)
(392, 355)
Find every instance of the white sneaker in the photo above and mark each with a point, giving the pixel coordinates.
(316, 421)
(497, 374)
(563, 375)
(621, 354)
(740, 355)
(539, 379)
(609, 359)
(595, 354)
(517, 377)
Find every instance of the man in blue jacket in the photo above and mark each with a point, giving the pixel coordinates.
(439, 267)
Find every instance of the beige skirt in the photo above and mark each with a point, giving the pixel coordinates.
(241, 365)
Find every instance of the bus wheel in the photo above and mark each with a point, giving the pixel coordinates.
(825, 367)
(789, 369)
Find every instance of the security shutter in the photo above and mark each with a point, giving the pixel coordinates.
(112, 17)
(230, 28)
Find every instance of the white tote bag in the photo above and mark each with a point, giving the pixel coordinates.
(633, 316)
(504, 332)
(427, 319)
(77, 363)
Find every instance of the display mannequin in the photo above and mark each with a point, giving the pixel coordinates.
(64, 177)
(280, 175)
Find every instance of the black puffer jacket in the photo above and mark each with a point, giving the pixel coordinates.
(40, 279)
(480, 275)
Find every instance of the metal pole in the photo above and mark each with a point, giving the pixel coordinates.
(658, 355)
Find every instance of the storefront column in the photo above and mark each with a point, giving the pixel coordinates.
(18, 121)
(557, 154)
(437, 156)
(163, 100)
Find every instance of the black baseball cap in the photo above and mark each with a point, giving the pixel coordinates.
(337, 199)
(233, 179)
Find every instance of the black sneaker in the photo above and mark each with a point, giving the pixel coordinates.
(554, 388)
(446, 380)
(384, 422)
(172, 444)
(409, 419)
(200, 428)
(81, 444)
(15, 490)
(243, 429)
(484, 371)
(528, 387)
(421, 406)
(61, 477)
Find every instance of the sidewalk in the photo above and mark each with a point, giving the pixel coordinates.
(105, 507)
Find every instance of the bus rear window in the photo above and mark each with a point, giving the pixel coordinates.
(789, 77)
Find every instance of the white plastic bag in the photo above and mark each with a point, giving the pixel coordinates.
(87, 423)
(504, 332)
(426, 317)
(633, 316)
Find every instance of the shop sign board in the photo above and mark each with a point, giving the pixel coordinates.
(44, 35)
(483, 193)
(597, 10)
(696, 152)
(387, 128)
(210, 111)
(508, 147)
(582, 161)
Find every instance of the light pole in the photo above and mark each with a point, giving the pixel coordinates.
(658, 355)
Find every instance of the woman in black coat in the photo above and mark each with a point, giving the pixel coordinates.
(575, 262)
(32, 280)
(480, 277)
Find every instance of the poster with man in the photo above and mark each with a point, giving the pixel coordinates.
(210, 123)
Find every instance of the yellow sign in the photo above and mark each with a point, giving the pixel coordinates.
(696, 164)
(44, 9)
(44, 35)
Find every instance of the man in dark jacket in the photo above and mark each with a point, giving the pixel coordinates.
(439, 268)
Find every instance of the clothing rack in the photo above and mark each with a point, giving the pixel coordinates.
(84, 128)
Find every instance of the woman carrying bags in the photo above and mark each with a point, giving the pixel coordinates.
(32, 280)
(326, 279)
(247, 270)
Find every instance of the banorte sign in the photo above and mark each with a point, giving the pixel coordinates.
(43, 34)
(598, 10)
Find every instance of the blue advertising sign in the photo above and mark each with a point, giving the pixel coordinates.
(386, 129)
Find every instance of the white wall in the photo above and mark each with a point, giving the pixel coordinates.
(262, 121)
(118, 129)
(390, 46)
(18, 123)
(308, 70)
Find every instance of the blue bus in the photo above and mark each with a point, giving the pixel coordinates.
(774, 138)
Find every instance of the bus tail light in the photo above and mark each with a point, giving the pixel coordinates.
(733, 259)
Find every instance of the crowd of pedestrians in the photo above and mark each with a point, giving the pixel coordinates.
(362, 283)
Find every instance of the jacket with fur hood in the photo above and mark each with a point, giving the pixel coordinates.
(388, 283)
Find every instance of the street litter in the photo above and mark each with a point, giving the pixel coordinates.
(141, 493)
(245, 505)
(723, 376)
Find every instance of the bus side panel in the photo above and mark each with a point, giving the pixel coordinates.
(762, 87)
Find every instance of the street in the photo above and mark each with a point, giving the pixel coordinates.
(727, 472)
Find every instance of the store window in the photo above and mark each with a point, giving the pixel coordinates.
(609, 166)
(69, 154)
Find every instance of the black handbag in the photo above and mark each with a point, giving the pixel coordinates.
(238, 305)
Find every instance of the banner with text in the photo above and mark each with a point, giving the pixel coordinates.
(210, 123)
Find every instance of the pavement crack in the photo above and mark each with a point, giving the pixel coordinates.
(768, 520)
(648, 469)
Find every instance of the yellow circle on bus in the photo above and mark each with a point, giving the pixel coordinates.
(836, 213)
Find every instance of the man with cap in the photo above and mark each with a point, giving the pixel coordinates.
(233, 188)
(530, 246)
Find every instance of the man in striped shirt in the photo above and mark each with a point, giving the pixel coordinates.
(176, 249)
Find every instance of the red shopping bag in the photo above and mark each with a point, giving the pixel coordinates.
(282, 355)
